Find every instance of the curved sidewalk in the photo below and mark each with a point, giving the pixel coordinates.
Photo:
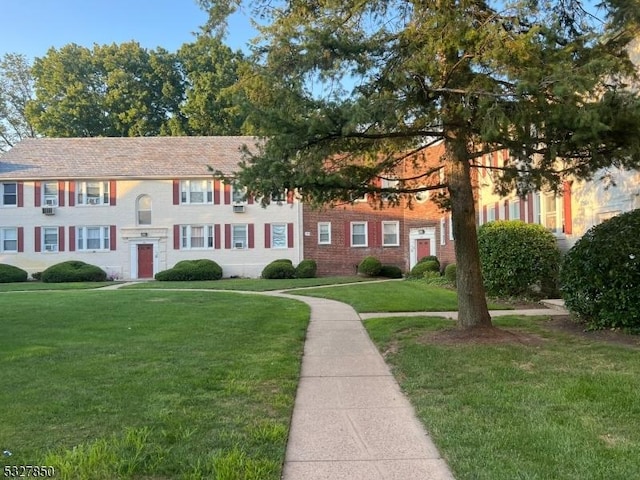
(350, 420)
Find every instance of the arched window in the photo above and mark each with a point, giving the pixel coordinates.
(143, 210)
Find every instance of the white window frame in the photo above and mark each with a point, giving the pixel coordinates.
(187, 191)
(443, 236)
(50, 199)
(239, 235)
(365, 234)
(50, 246)
(491, 213)
(82, 197)
(514, 209)
(238, 195)
(389, 183)
(4, 233)
(396, 243)
(82, 238)
(279, 235)
(451, 227)
(543, 215)
(326, 226)
(187, 237)
(140, 210)
(4, 194)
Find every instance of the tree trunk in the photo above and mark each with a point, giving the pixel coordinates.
(472, 303)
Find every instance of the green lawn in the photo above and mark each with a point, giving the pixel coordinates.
(251, 284)
(396, 296)
(129, 384)
(564, 407)
(31, 286)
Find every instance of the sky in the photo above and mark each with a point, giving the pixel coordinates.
(31, 27)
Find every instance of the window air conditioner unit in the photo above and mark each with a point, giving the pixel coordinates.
(50, 248)
(238, 209)
(48, 210)
(50, 202)
(238, 245)
(93, 201)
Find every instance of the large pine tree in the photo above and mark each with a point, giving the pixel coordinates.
(362, 81)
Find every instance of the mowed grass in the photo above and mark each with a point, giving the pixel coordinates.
(393, 296)
(250, 284)
(149, 384)
(563, 407)
(31, 286)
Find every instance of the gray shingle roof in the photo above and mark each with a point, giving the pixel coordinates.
(116, 157)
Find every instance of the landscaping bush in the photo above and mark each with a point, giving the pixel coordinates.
(306, 269)
(73, 271)
(600, 275)
(37, 276)
(390, 271)
(11, 274)
(187, 270)
(279, 269)
(430, 258)
(518, 259)
(423, 267)
(370, 266)
(450, 273)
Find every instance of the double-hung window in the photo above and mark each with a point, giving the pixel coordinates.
(93, 238)
(196, 236)
(237, 194)
(50, 239)
(278, 235)
(239, 236)
(359, 234)
(390, 236)
(92, 193)
(8, 239)
(9, 194)
(514, 209)
(324, 233)
(50, 194)
(196, 191)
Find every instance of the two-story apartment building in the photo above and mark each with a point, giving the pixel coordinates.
(136, 206)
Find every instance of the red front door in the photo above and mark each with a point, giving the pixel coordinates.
(145, 261)
(423, 247)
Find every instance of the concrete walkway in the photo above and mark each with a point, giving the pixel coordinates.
(350, 420)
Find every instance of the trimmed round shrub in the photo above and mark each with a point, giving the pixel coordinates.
(12, 274)
(390, 271)
(518, 259)
(421, 268)
(306, 269)
(73, 271)
(188, 270)
(279, 269)
(450, 273)
(600, 274)
(430, 258)
(370, 266)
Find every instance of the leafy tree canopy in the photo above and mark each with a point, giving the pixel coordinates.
(16, 89)
(365, 84)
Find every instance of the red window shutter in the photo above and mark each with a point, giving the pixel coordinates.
(267, 235)
(290, 235)
(484, 214)
(347, 234)
(227, 235)
(530, 207)
(227, 194)
(522, 212)
(251, 234)
(61, 239)
(112, 193)
(216, 236)
(176, 237)
(566, 201)
(112, 237)
(72, 194)
(72, 239)
(20, 239)
(176, 192)
(216, 192)
(61, 193)
(37, 239)
(250, 199)
(20, 194)
(290, 196)
(506, 209)
(37, 198)
(497, 210)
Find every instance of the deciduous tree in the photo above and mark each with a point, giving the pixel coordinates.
(342, 91)
(16, 89)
